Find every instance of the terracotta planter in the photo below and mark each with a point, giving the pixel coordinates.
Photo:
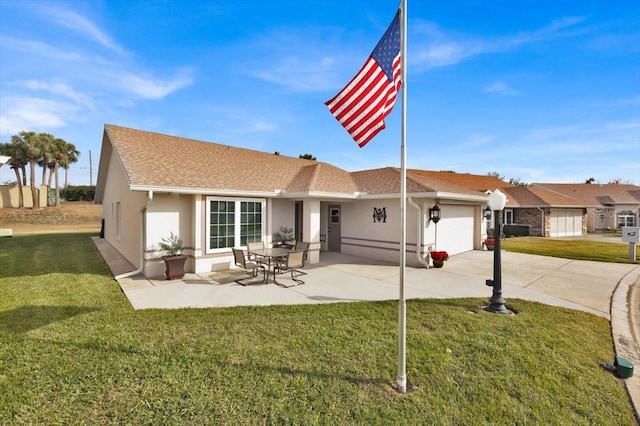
(174, 266)
(438, 263)
(489, 247)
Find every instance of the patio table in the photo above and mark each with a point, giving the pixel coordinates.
(271, 254)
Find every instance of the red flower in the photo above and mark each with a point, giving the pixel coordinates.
(439, 255)
(489, 241)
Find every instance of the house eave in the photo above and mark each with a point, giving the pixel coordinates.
(203, 191)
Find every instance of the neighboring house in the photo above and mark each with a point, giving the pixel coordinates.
(547, 213)
(217, 196)
(610, 206)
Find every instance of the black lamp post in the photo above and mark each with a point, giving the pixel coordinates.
(497, 201)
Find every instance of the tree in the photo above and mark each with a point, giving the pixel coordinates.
(59, 153)
(517, 182)
(71, 156)
(590, 180)
(17, 151)
(33, 152)
(307, 157)
(495, 175)
(619, 182)
(46, 141)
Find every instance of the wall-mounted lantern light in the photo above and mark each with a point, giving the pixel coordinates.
(487, 212)
(434, 214)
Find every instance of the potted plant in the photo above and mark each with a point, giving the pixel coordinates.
(283, 238)
(439, 257)
(489, 243)
(174, 261)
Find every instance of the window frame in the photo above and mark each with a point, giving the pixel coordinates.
(237, 215)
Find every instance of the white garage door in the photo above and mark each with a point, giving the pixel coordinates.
(455, 230)
(565, 222)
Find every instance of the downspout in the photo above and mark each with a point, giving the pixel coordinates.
(420, 228)
(142, 213)
(542, 224)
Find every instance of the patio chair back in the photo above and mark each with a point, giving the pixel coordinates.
(238, 257)
(249, 267)
(256, 245)
(301, 245)
(295, 260)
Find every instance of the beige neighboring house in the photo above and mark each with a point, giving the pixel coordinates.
(609, 206)
(544, 212)
(216, 196)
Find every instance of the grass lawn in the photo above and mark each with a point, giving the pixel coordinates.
(571, 249)
(72, 351)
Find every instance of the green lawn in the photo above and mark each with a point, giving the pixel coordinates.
(72, 351)
(571, 249)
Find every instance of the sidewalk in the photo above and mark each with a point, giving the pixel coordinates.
(609, 290)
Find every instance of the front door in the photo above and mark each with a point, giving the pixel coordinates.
(334, 236)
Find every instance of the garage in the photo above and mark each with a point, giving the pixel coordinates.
(455, 230)
(565, 222)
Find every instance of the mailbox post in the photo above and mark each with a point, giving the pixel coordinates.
(631, 235)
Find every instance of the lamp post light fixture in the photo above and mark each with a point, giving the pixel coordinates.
(497, 201)
(434, 214)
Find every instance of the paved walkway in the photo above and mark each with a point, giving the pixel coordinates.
(609, 290)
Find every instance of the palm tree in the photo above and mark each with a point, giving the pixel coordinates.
(47, 148)
(17, 151)
(33, 152)
(70, 157)
(61, 153)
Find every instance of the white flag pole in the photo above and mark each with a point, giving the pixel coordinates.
(402, 303)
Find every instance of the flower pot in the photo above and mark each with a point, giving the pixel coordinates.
(174, 266)
(438, 263)
(489, 247)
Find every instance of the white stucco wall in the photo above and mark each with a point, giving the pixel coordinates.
(457, 232)
(282, 213)
(168, 213)
(362, 236)
(122, 230)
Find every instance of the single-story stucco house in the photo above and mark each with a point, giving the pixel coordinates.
(546, 213)
(216, 197)
(609, 206)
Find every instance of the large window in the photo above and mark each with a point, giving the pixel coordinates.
(233, 223)
(626, 218)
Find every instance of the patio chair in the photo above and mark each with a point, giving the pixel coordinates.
(256, 245)
(300, 245)
(250, 268)
(292, 263)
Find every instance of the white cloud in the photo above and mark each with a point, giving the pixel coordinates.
(437, 49)
(58, 88)
(30, 113)
(70, 19)
(501, 88)
(35, 48)
(301, 74)
(147, 86)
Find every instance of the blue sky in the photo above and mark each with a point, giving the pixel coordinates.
(540, 91)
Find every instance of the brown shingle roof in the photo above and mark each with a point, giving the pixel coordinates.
(531, 196)
(164, 161)
(387, 181)
(596, 194)
(480, 183)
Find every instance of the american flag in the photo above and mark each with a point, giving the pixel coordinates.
(363, 104)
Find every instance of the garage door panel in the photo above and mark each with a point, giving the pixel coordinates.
(455, 234)
(565, 222)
